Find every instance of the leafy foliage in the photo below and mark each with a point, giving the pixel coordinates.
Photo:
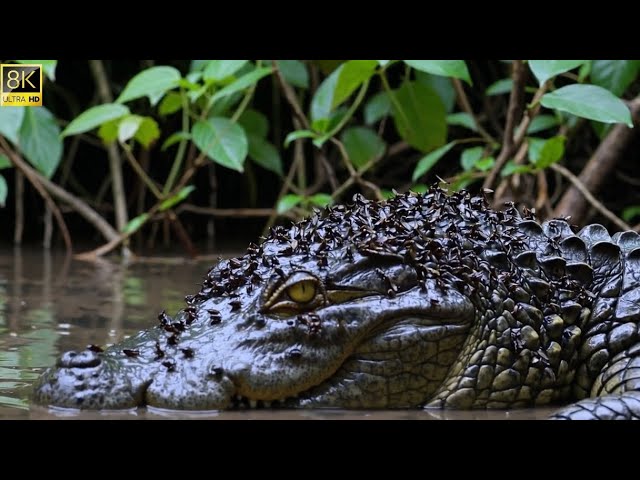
(358, 125)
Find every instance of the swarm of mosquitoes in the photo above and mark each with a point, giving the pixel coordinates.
(433, 232)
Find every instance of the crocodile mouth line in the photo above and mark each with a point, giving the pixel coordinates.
(238, 402)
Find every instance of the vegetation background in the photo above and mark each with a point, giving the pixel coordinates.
(142, 156)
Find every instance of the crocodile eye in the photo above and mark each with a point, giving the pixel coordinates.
(302, 292)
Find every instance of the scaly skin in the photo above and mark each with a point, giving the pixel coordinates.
(429, 301)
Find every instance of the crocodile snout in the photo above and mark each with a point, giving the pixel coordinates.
(91, 380)
(72, 359)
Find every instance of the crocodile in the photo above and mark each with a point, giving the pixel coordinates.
(428, 300)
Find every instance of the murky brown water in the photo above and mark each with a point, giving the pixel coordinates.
(49, 304)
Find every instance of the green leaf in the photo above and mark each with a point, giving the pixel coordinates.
(222, 140)
(462, 119)
(10, 122)
(254, 123)
(630, 213)
(5, 162)
(264, 154)
(194, 95)
(362, 145)
(387, 194)
(222, 107)
(511, 167)
(177, 198)
(535, 148)
(40, 140)
(320, 125)
(543, 153)
(546, 69)
(190, 81)
(542, 122)
(294, 72)
(470, 156)
(108, 131)
(485, 164)
(127, 127)
(320, 200)
(319, 141)
(48, 67)
(287, 202)
(135, 223)
(4, 190)
(217, 70)
(171, 103)
(95, 116)
(584, 71)
(338, 86)
(421, 118)
(442, 86)
(419, 188)
(589, 101)
(352, 74)
(148, 132)
(240, 84)
(500, 87)
(322, 101)
(198, 65)
(336, 117)
(175, 138)
(614, 75)
(446, 68)
(462, 180)
(426, 163)
(152, 83)
(328, 66)
(376, 108)
(295, 135)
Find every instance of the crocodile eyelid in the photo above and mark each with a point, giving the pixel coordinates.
(273, 295)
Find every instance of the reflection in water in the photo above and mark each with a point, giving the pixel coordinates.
(50, 304)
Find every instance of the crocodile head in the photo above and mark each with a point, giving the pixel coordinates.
(370, 305)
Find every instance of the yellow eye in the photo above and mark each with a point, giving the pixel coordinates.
(302, 292)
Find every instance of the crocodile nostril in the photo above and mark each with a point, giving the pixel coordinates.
(86, 359)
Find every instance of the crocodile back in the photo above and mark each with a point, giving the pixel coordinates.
(607, 268)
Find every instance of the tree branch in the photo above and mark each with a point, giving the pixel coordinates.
(466, 106)
(115, 162)
(37, 184)
(290, 95)
(612, 217)
(514, 110)
(599, 166)
(77, 204)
